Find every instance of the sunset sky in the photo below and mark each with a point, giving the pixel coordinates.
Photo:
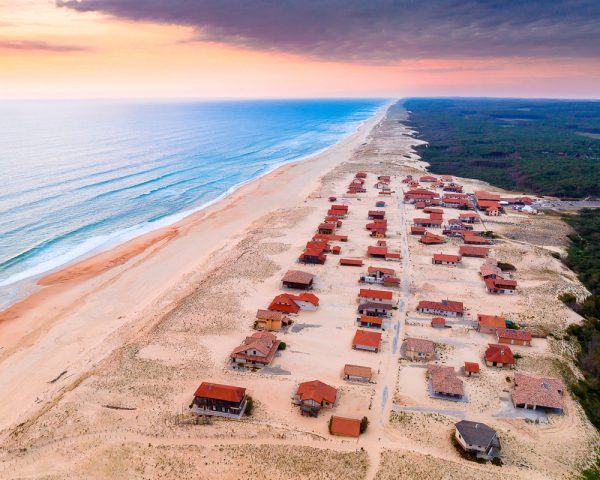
(279, 48)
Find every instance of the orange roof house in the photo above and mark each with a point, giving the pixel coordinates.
(443, 259)
(357, 373)
(499, 356)
(366, 340)
(471, 368)
(270, 320)
(258, 350)
(375, 295)
(445, 308)
(351, 262)
(367, 321)
(513, 337)
(288, 303)
(444, 381)
(429, 238)
(490, 323)
(314, 395)
(500, 285)
(470, 251)
(219, 400)
(419, 349)
(344, 427)
(298, 279)
(438, 322)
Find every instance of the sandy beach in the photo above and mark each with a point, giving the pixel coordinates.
(97, 368)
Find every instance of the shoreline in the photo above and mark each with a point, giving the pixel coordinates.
(109, 255)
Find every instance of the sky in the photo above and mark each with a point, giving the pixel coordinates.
(299, 48)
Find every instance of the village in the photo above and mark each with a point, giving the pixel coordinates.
(394, 324)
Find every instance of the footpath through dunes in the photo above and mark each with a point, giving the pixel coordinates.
(125, 413)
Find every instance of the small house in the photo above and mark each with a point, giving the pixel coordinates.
(490, 323)
(357, 373)
(214, 399)
(429, 238)
(417, 230)
(258, 350)
(270, 320)
(471, 369)
(445, 308)
(444, 382)
(375, 309)
(287, 303)
(351, 262)
(366, 340)
(344, 427)
(370, 295)
(369, 322)
(376, 252)
(438, 322)
(314, 395)
(443, 259)
(419, 349)
(380, 204)
(500, 286)
(336, 250)
(376, 214)
(477, 438)
(499, 356)
(471, 251)
(313, 256)
(514, 337)
(326, 228)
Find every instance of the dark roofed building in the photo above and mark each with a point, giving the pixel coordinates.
(478, 438)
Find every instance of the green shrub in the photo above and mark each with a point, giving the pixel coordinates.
(282, 346)
(249, 405)
(364, 424)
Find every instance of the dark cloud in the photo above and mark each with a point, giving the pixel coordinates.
(39, 45)
(379, 31)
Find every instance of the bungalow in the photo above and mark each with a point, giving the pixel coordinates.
(344, 427)
(336, 250)
(258, 350)
(417, 230)
(419, 349)
(452, 202)
(335, 214)
(375, 309)
(322, 245)
(420, 205)
(288, 303)
(392, 257)
(433, 210)
(511, 336)
(314, 395)
(500, 285)
(370, 295)
(342, 208)
(330, 238)
(381, 184)
(376, 252)
(298, 279)
(428, 222)
(429, 238)
(366, 340)
(367, 321)
(471, 369)
(535, 392)
(360, 175)
(482, 195)
(428, 179)
(326, 228)
(384, 178)
(376, 214)
(270, 320)
(443, 259)
(490, 323)
(351, 262)
(445, 308)
(474, 239)
(470, 251)
(313, 255)
(380, 272)
(446, 178)
(453, 187)
(438, 322)
(444, 382)
(477, 438)
(412, 196)
(469, 217)
(499, 356)
(489, 269)
(357, 373)
(213, 399)
(334, 220)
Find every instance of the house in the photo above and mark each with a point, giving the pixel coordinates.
(341, 208)
(375, 309)
(370, 322)
(471, 369)
(376, 252)
(298, 279)
(357, 373)
(380, 204)
(370, 295)
(471, 238)
(489, 269)
(438, 322)
(419, 349)
(392, 256)
(270, 320)
(445, 308)
(417, 230)
(428, 179)
(257, 350)
(313, 255)
(499, 356)
(214, 399)
(469, 217)
(376, 214)
(490, 323)
(429, 238)
(444, 382)
(477, 438)
(535, 392)
(430, 222)
(500, 286)
(344, 427)
(433, 211)
(391, 282)
(351, 262)
(412, 196)
(322, 245)
(326, 228)
(288, 303)
(360, 175)
(443, 259)
(336, 250)
(366, 340)
(452, 202)
(330, 238)
(380, 272)
(470, 251)
(314, 395)
(513, 337)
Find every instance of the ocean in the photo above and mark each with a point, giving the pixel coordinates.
(79, 177)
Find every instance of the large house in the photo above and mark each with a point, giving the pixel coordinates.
(270, 320)
(445, 308)
(257, 350)
(214, 399)
(535, 392)
(298, 279)
(419, 349)
(477, 438)
(500, 356)
(314, 395)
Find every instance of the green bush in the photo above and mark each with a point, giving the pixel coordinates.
(282, 346)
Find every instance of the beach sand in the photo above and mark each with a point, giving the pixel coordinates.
(139, 327)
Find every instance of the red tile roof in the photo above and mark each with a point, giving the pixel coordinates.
(442, 257)
(367, 339)
(420, 345)
(370, 293)
(438, 321)
(444, 380)
(218, 391)
(351, 262)
(512, 334)
(358, 371)
(499, 354)
(470, 251)
(385, 271)
(371, 250)
(444, 305)
(540, 391)
(345, 427)
(491, 321)
(370, 319)
(471, 367)
(317, 391)
(298, 276)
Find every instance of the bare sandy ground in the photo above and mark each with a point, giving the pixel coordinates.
(140, 327)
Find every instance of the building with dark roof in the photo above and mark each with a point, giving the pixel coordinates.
(478, 438)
